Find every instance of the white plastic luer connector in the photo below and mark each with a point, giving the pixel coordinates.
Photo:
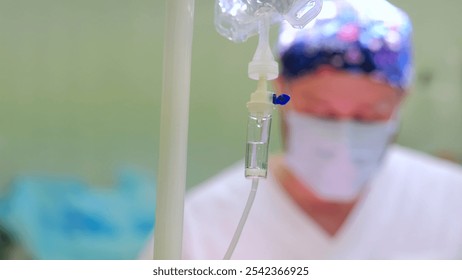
(263, 64)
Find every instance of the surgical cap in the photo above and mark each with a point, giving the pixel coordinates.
(371, 37)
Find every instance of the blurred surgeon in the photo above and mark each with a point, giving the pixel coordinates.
(341, 189)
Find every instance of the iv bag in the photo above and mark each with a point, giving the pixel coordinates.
(238, 20)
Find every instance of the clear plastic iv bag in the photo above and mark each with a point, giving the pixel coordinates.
(237, 20)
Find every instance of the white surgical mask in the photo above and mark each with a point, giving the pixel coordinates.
(335, 158)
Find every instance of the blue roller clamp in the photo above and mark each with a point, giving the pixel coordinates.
(282, 99)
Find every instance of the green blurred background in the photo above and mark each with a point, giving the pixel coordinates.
(81, 83)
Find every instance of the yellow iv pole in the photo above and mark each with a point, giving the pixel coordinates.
(168, 234)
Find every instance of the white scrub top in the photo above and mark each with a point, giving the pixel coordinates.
(412, 210)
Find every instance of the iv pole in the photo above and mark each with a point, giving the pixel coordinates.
(168, 234)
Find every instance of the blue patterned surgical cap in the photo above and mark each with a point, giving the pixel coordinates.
(371, 37)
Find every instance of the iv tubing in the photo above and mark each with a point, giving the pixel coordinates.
(168, 233)
(242, 221)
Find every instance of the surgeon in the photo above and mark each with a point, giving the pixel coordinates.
(341, 189)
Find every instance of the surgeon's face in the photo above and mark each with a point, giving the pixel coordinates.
(335, 153)
(340, 95)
